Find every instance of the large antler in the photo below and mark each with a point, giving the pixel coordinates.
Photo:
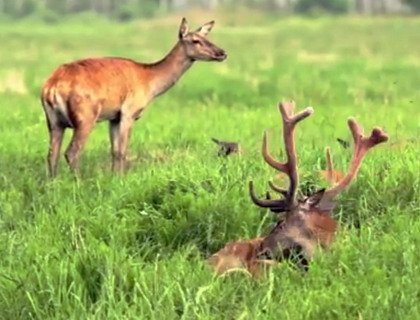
(290, 167)
(362, 145)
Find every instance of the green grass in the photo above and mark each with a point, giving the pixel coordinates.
(133, 247)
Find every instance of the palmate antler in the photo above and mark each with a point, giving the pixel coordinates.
(362, 145)
(290, 120)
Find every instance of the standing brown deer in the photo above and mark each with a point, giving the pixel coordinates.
(306, 222)
(83, 92)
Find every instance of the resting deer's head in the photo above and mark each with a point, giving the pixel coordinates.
(305, 221)
(196, 45)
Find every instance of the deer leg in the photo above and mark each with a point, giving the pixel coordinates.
(56, 133)
(80, 135)
(119, 133)
(114, 128)
(123, 138)
(56, 139)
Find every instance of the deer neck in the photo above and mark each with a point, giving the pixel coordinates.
(166, 72)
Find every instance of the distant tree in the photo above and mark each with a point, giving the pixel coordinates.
(415, 4)
(58, 6)
(334, 6)
(18, 8)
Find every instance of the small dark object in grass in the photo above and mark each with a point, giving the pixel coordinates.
(227, 148)
(345, 144)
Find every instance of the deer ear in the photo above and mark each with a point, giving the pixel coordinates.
(320, 202)
(183, 28)
(315, 198)
(205, 29)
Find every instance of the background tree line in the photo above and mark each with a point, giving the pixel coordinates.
(129, 9)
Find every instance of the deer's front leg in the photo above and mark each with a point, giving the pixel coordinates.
(114, 127)
(120, 134)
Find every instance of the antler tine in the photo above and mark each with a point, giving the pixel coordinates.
(289, 122)
(286, 110)
(356, 130)
(362, 145)
(330, 165)
(290, 167)
(279, 204)
(268, 157)
(276, 188)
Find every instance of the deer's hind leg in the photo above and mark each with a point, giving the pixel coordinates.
(56, 140)
(56, 132)
(83, 116)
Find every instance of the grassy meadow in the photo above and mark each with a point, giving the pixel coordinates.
(133, 246)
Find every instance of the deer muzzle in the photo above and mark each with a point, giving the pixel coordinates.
(220, 55)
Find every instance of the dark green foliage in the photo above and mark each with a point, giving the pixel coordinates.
(415, 4)
(19, 9)
(48, 10)
(333, 6)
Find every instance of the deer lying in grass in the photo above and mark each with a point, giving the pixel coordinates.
(306, 222)
(83, 92)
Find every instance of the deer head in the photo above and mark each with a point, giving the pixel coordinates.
(305, 221)
(196, 45)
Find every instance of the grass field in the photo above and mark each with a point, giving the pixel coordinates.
(133, 246)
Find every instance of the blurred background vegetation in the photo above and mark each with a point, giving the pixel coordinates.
(125, 10)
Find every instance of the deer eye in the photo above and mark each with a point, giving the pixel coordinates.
(196, 41)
